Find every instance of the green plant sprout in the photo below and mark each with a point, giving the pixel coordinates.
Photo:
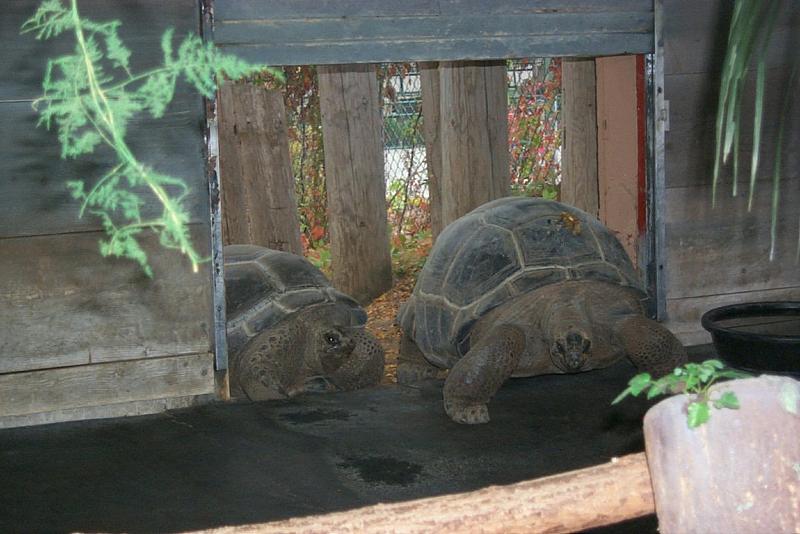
(694, 379)
(91, 95)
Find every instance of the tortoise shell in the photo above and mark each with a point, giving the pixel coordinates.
(264, 286)
(502, 249)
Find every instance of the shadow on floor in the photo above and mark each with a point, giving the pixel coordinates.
(229, 464)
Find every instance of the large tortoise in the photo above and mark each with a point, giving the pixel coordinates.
(523, 287)
(289, 331)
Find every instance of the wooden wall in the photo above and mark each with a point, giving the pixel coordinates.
(720, 256)
(82, 336)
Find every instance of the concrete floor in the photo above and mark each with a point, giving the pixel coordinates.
(228, 464)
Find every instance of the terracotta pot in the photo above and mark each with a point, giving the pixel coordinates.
(739, 472)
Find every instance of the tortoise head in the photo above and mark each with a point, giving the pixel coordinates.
(348, 356)
(571, 350)
(332, 346)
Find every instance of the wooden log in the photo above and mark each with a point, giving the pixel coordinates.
(737, 473)
(474, 135)
(431, 128)
(568, 502)
(352, 134)
(258, 199)
(579, 185)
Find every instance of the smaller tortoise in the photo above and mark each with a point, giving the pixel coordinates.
(290, 331)
(524, 287)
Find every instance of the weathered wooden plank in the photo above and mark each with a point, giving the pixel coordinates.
(726, 249)
(103, 411)
(242, 10)
(58, 390)
(696, 35)
(287, 9)
(352, 134)
(62, 304)
(258, 200)
(143, 23)
(618, 139)
(690, 140)
(34, 199)
(684, 313)
(425, 28)
(432, 129)
(609, 493)
(579, 185)
(468, 47)
(474, 135)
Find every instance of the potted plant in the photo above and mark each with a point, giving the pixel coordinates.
(723, 457)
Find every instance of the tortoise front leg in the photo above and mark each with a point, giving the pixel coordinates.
(265, 367)
(650, 346)
(476, 377)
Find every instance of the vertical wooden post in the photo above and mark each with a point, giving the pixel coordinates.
(579, 186)
(258, 200)
(352, 135)
(474, 135)
(431, 126)
(618, 150)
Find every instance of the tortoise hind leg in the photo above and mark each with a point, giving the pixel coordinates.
(650, 346)
(476, 377)
(412, 367)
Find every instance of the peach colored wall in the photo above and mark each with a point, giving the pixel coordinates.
(617, 149)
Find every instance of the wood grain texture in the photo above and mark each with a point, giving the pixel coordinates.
(352, 134)
(698, 34)
(57, 390)
(579, 185)
(104, 411)
(62, 304)
(474, 135)
(690, 140)
(720, 256)
(569, 502)
(618, 149)
(431, 128)
(289, 9)
(713, 251)
(143, 23)
(280, 32)
(258, 200)
(34, 199)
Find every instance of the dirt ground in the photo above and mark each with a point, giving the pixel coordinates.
(382, 313)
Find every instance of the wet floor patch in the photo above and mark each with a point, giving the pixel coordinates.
(315, 416)
(383, 470)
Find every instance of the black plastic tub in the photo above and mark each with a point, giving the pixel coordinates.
(762, 337)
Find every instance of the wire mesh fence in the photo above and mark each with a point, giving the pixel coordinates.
(533, 92)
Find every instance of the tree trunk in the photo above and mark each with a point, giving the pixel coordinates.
(579, 186)
(739, 472)
(258, 201)
(431, 124)
(474, 135)
(353, 140)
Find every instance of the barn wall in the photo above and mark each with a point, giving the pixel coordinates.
(720, 256)
(82, 336)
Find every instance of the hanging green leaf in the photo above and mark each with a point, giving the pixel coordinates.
(90, 96)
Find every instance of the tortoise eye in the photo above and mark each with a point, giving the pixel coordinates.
(332, 339)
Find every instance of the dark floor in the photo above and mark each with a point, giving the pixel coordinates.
(228, 464)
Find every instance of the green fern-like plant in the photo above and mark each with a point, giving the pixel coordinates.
(91, 95)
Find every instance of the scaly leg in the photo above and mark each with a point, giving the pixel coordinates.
(476, 377)
(650, 346)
